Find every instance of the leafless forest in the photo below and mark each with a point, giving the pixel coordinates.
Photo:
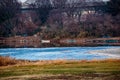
(60, 18)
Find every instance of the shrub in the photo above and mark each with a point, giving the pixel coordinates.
(4, 61)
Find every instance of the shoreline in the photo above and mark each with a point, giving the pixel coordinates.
(21, 62)
(32, 41)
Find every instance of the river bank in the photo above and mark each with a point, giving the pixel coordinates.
(105, 69)
(63, 70)
(36, 41)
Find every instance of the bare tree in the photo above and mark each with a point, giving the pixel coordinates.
(44, 7)
(8, 16)
(114, 7)
(8, 9)
(59, 3)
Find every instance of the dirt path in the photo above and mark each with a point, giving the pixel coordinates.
(99, 76)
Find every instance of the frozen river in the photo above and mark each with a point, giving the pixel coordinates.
(67, 53)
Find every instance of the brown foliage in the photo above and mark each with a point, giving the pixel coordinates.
(4, 61)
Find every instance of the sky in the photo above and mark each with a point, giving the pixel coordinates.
(25, 0)
(22, 0)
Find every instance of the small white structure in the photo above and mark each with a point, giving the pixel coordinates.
(45, 41)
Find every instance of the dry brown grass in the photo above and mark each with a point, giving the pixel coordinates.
(4, 61)
(59, 62)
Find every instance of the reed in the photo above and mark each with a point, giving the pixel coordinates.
(5, 61)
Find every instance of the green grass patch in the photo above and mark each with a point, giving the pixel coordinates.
(62, 68)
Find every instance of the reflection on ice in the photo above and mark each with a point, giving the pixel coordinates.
(112, 52)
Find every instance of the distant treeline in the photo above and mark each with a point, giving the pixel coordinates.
(60, 18)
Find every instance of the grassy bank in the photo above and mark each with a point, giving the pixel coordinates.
(62, 69)
(6, 61)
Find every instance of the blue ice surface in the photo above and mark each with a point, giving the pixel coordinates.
(55, 53)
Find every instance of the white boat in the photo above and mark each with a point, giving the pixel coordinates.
(45, 41)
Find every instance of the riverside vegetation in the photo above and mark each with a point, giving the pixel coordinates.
(50, 23)
(12, 69)
(60, 19)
